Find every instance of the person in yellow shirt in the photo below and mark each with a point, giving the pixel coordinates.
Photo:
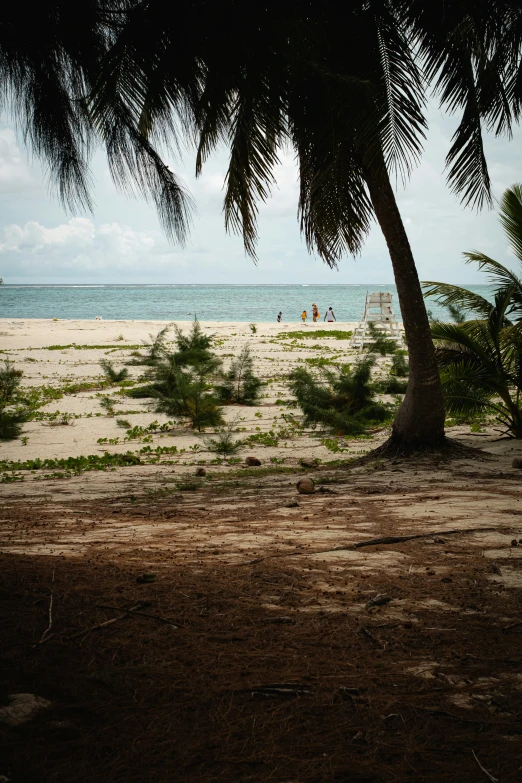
(304, 316)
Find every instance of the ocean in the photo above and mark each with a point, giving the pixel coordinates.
(246, 303)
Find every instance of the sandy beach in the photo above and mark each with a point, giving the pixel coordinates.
(155, 609)
(61, 354)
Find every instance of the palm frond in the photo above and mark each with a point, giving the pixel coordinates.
(403, 122)
(137, 168)
(511, 219)
(334, 207)
(257, 129)
(447, 294)
(498, 274)
(470, 340)
(468, 55)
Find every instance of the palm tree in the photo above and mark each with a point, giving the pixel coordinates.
(344, 87)
(480, 360)
(480, 365)
(346, 90)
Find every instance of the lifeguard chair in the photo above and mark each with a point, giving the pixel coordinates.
(378, 311)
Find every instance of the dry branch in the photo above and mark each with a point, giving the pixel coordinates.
(47, 631)
(484, 770)
(141, 614)
(401, 539)
(375, 542)
(126, 613)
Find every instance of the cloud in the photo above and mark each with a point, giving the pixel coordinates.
(15, 173)
(78, 244)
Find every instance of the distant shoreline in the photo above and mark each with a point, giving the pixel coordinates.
(319, 325)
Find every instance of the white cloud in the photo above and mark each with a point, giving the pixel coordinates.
(78, 244)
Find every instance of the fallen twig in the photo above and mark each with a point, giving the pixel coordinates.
(47, 631)
(141, 614)
(126, 613)
(277, 689)
(373, 542)
(513, 625)
(400, 539)
(484, 770)
(369, 635)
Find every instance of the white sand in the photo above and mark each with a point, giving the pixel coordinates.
(27, 342)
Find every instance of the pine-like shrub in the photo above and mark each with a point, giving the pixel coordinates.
(11, 417)
(240, 385)
(155, 349)
(113, 375)
(344, 401)
(399, 366)
(187, 393)
(10, 379)
(224, 442)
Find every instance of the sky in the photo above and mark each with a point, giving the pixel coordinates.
(122, 242)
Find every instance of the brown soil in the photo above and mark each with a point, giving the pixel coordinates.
(255, 656)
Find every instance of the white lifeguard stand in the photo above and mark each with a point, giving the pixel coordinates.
(378, 311)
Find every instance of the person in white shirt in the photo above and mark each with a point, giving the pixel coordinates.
(330, 316)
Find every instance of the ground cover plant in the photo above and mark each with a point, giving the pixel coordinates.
(85, 347)
(314, 334)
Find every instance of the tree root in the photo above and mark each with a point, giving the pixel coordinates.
(448, 449)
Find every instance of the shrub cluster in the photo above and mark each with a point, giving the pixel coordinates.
(12, 416)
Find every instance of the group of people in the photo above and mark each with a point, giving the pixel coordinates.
(329, 317)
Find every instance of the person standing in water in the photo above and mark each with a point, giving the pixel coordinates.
(304, 316)
(279, 317)
(330, 316)
(315, 313)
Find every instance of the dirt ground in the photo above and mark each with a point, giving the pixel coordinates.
(256, 654)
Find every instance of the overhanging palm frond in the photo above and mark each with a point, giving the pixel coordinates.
(256, 134)
(470, 53)
(47, 63)
(498, 274)
(447, 294)
(511, 219)
(450, 65)
(137, 168)
(328, 115)
(403, 122)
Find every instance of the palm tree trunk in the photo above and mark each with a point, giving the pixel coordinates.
(420, 418)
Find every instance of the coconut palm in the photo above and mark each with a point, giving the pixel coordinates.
(344, 86)
(480, 360)
(345, 89)
(481, 365)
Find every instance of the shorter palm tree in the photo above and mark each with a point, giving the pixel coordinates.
(480, 360)
(480, 366)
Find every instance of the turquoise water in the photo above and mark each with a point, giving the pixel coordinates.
(183, 302)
